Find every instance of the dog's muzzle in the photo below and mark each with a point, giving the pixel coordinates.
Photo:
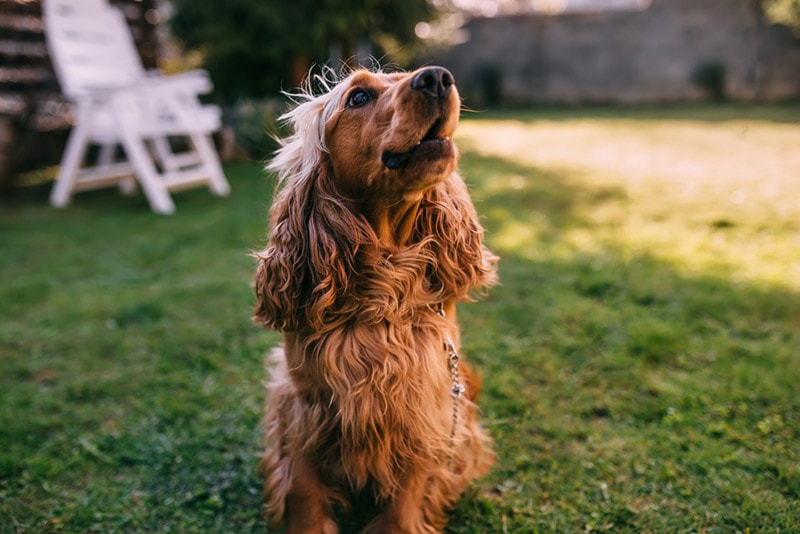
(435, 83)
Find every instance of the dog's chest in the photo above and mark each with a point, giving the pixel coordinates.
(378, 380)
(389, 400)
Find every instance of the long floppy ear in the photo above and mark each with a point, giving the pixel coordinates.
(280, 277)
(296, 267)
(463, 263)
(314, 239)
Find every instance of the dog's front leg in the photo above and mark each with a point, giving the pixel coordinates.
(416, 508)
(309, 503)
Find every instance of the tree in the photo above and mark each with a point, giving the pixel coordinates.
(256, 47)
(777, 12)
(784, 12)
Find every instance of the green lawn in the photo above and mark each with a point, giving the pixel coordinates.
(641, 358)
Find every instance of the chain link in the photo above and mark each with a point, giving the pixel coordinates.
(457, 388)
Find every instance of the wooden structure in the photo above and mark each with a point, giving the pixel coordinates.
(119, 104)
(34, 116)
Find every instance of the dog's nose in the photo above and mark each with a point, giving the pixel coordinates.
(434, 81)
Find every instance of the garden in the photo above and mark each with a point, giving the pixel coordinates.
(640, 357)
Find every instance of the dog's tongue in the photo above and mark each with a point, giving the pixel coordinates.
(395, 160)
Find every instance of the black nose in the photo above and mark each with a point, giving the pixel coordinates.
(435, 81)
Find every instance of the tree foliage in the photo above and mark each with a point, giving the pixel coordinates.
(256, 47)
(784, 12)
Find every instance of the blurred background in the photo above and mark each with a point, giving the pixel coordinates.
(504, 53)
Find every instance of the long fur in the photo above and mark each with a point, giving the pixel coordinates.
(360, 391)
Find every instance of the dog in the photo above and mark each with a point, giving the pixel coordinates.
(373, 239)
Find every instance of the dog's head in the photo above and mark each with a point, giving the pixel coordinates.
(383, 136)
(368, 171)
(391, 134)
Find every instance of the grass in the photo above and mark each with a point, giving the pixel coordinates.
(641, 357)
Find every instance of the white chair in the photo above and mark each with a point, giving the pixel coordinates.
(119, 104)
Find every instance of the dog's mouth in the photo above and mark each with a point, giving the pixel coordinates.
(432, 145)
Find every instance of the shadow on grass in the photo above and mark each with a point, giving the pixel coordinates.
(512, 195)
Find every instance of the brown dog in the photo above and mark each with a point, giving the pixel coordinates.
(373, 239)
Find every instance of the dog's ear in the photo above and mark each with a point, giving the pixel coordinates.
(463, 263)
(312, 244)
(280, 275)
(291, 269)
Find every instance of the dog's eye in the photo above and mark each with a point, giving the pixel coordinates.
(358, 98)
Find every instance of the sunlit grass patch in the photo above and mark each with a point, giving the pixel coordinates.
(694, 192)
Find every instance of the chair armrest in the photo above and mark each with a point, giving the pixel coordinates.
(196, 81)
(186, 84)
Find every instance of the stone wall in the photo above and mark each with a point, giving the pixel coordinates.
(635, 56)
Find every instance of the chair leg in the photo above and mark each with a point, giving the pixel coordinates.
(152, 185)
(164, 153)
(106, 156)
(205, 148)
(68, 170)
(127, 185)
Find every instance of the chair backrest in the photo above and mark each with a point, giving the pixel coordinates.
(90, 45)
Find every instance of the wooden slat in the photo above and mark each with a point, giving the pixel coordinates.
(32, 49)
(12, 104)
(28, 23)
(24, 74)
(186, 179)
(186, 160)
(102, 176)
(92, 46)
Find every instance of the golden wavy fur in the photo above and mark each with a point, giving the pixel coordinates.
(371, 231)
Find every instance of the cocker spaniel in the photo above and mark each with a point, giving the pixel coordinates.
(373, 239)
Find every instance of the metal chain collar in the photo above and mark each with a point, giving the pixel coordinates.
(457, 388)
